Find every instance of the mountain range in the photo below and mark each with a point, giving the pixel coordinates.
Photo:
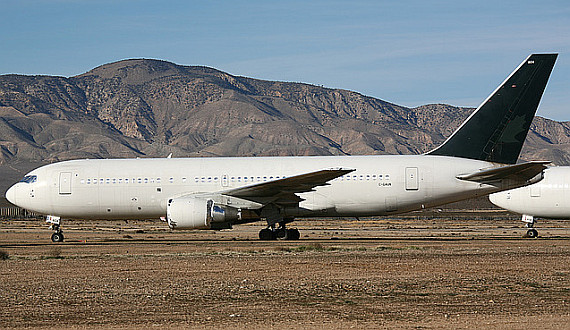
(151, 108)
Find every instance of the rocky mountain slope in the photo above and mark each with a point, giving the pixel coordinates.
(150, 108)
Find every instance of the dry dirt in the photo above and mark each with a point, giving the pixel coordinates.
(380, 273)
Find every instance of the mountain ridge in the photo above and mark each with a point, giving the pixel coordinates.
(150, 108)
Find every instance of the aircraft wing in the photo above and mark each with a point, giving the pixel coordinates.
(283, 191)
(517, 172)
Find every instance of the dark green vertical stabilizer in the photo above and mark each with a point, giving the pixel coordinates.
(496, 131)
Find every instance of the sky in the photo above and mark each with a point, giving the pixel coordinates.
(406, 52)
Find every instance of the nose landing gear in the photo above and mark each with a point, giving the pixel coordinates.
(57, 237)
(55, 222)
(531, 232)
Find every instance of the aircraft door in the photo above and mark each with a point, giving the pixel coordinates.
(65, 183)
(535, 190)
(224, 180)
(412, 180)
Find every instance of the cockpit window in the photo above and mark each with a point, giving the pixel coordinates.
(29, 179)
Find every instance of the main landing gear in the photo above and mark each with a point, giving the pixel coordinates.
(55, 222)
(281, 233)
(529, 220)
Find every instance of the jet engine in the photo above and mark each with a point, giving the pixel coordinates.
(198, 213)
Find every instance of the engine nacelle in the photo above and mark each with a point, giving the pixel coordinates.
(197, 213)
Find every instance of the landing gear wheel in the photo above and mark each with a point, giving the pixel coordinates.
(293, 234)
(266, 234)
(282, 233)
(57, 237)
(532, 233)
(55, 224)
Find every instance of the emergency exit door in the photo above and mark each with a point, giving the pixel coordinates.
(65, 183)
(412, 182)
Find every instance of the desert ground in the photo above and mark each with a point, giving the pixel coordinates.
(444, 271)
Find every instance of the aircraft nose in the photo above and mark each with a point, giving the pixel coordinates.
(11, 195)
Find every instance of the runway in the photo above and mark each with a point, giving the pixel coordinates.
(374, 273)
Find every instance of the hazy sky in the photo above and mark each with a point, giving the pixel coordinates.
(406, 52)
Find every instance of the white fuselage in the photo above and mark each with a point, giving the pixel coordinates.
(141, 188)
(549, 198)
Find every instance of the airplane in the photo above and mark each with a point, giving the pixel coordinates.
(547, 198)
(479, 158)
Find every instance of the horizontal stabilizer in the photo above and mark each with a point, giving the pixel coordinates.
(518, 172)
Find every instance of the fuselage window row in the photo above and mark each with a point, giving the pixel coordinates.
(122, 181)
(215, 179)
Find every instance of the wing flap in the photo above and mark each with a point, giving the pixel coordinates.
(518, 172)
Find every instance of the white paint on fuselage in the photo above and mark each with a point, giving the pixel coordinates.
(140, 188)
(549, 198)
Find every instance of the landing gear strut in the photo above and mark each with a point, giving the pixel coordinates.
(529, 220)
(55, 222)
(281, 233)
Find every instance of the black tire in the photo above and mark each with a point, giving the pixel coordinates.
(293, 234)
(57, 237)
(532, 233)
(266, 235)
(282, 233)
